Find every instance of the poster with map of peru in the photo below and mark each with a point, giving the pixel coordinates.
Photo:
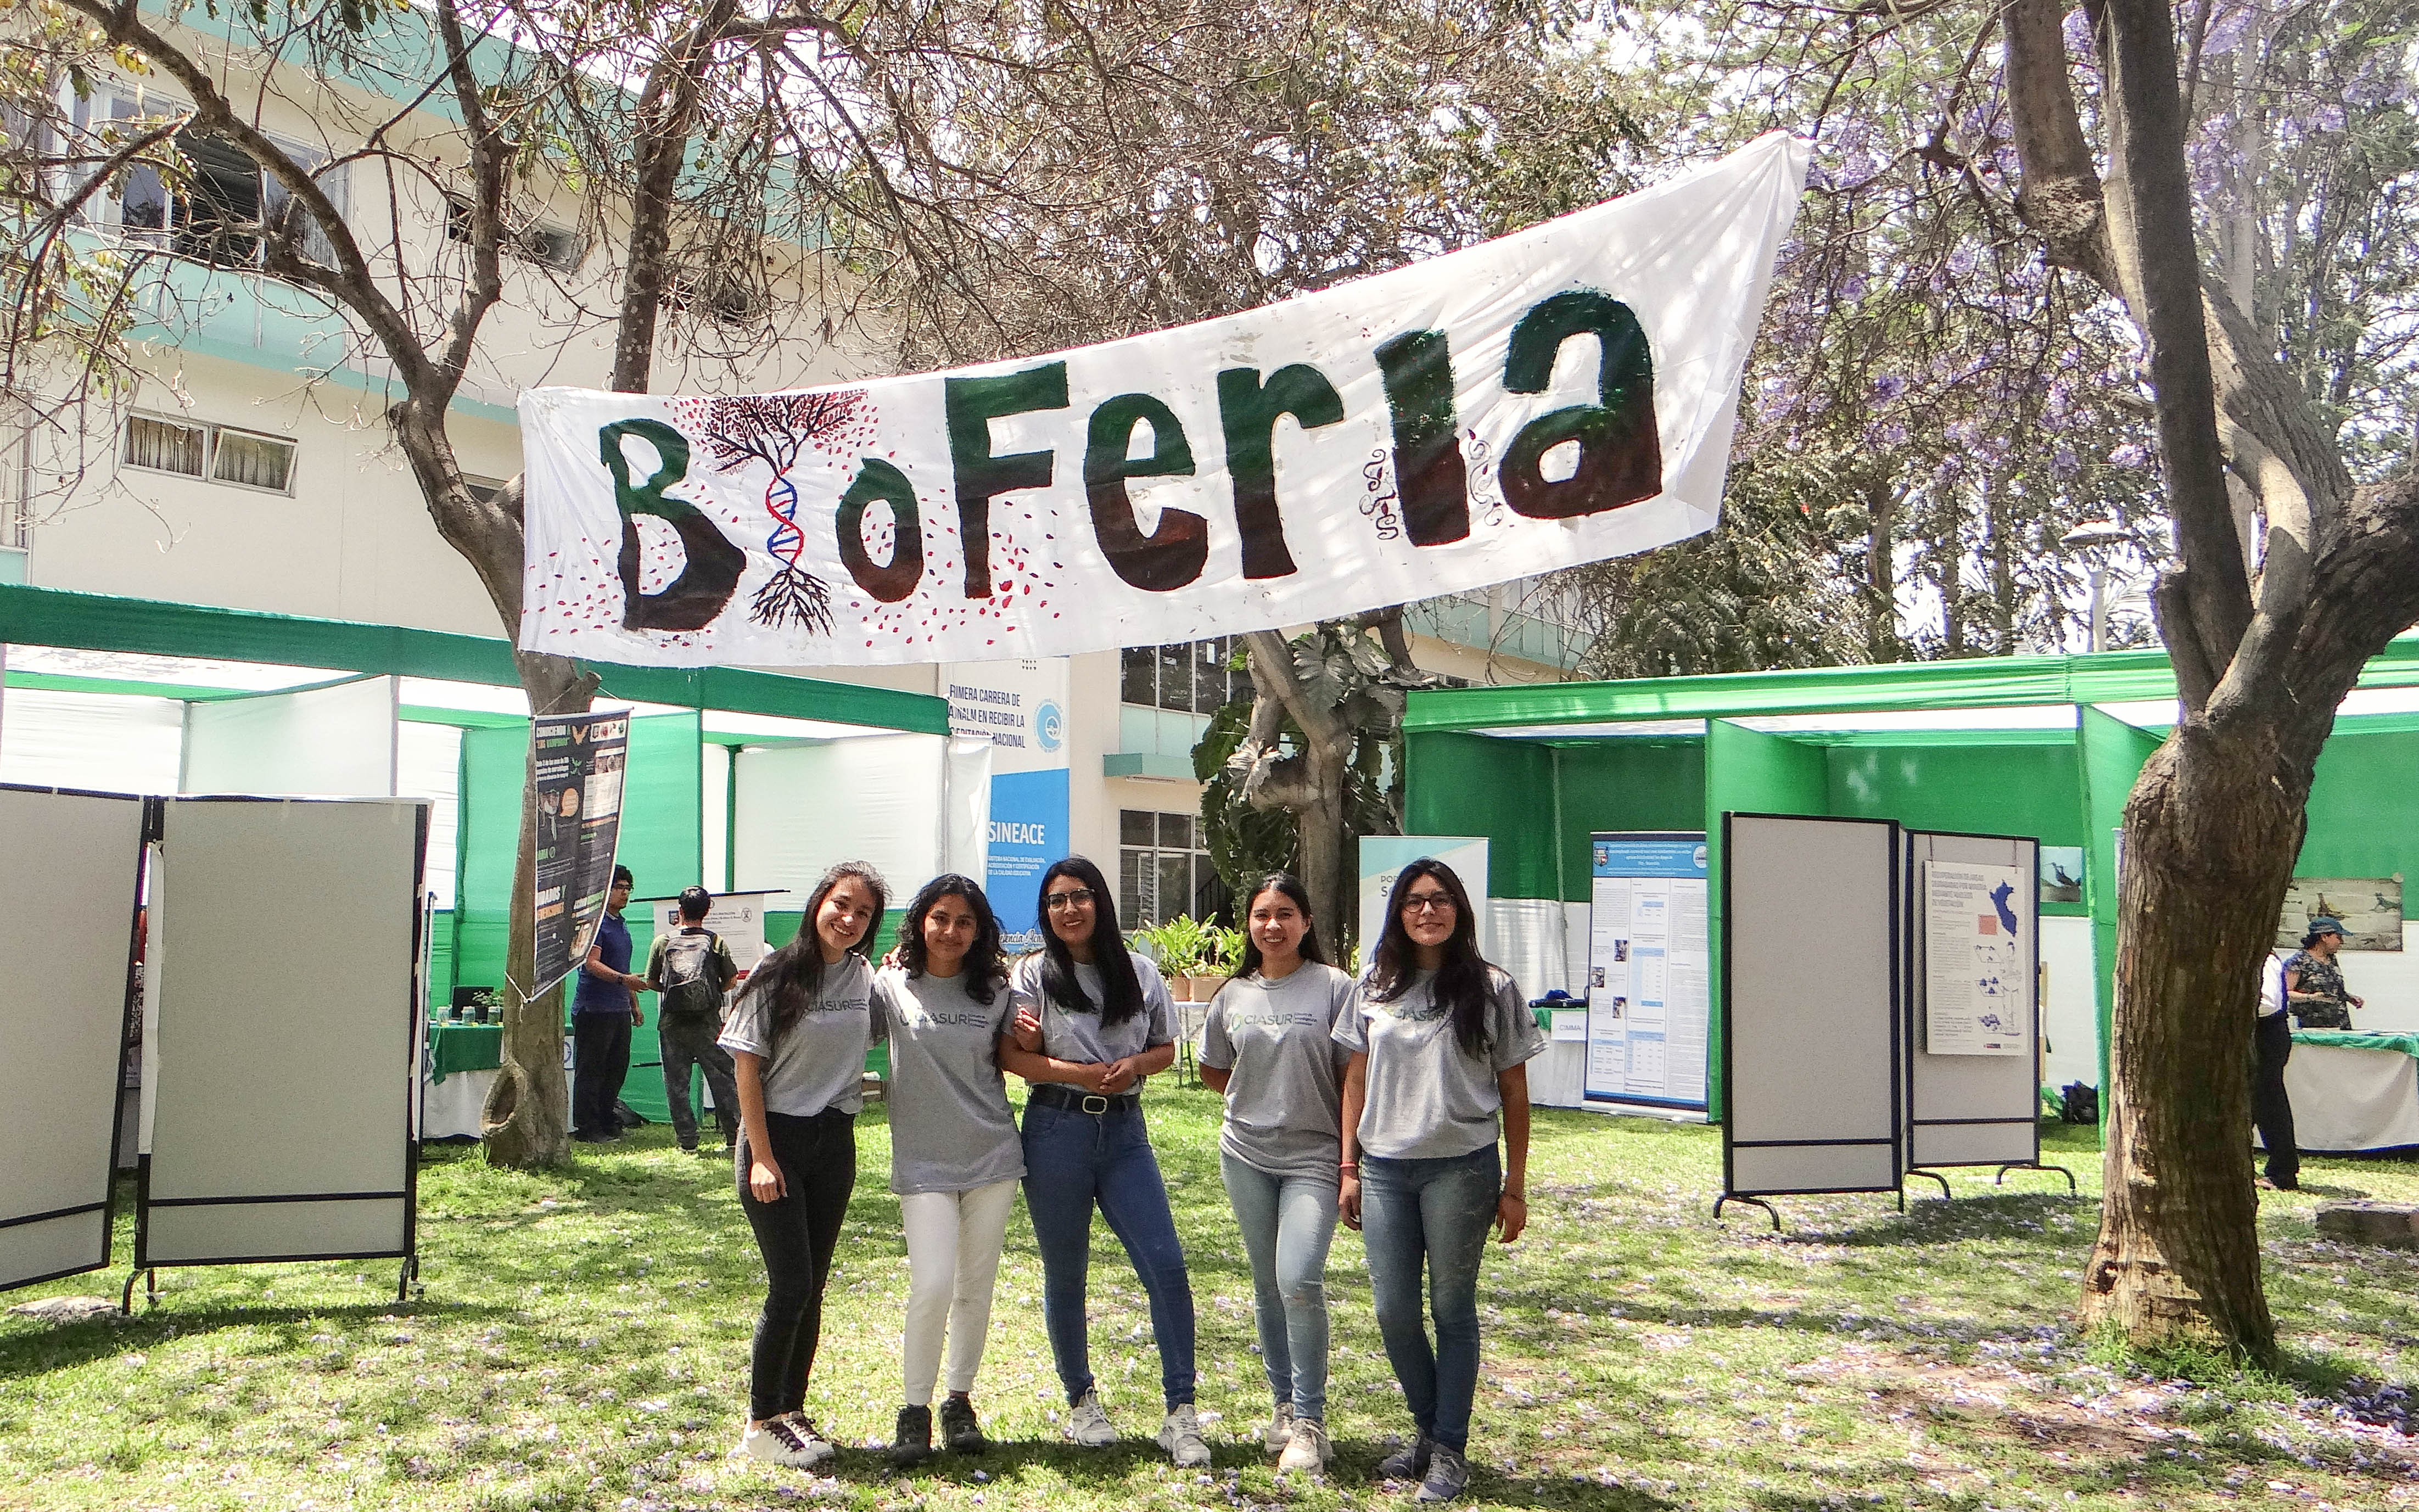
(1977, 967)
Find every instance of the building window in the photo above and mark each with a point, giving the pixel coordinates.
(219, 453)
(221, 203)
(1161, 869)
(16, 473)
(549, 246)
(1194, 677)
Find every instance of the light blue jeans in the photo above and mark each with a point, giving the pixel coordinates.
(1431, 1215)
(1073, 1161)
(1286, 1222)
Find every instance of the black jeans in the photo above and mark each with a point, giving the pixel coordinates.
(688, 1039)
(2272, 1046)
(600, 1050)
(817, 1157)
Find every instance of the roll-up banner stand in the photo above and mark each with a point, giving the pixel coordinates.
(65, 1006)
(1811, 967)
(1973, 1003)
(280, 1124)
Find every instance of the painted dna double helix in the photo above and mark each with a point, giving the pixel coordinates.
(781, 501)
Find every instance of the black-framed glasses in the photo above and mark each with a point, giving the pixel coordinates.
(1427, 902)
(1075, 898)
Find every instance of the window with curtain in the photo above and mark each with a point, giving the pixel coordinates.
(253, 461)
(165, 445)
(244, 458)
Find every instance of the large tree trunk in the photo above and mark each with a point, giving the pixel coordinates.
(2211, 834)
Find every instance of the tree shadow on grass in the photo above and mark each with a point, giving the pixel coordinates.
(73, 1344)
(2017, 1215)
(1019, 1467)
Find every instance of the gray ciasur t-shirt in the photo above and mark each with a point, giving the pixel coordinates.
(950, 1128)
(1429, 1100)
(820, 1062)
(1081, 1037)
(1285, 1103)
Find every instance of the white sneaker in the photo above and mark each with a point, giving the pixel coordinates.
(1181, 1436)
(785, 1441)
(1087, 1424)
(1307, 1450)
(1280, 1428)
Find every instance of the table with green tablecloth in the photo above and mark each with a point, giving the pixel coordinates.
(458, 1047)
(2352, 1091)
(460, 1063)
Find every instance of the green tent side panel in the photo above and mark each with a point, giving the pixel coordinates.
(1747, 771)
(663, 843)
(2112, 753)
(440, 959)
(494, 771)
(2356, 830)
(2025, 787)
(1477, 785)
(1636, 782)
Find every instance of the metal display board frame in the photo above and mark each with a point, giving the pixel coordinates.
(2007, 1132)
(1785, 1163)
(153, 1250)
(18, 1228)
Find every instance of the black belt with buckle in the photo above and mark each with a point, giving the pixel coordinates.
(1075, 1102)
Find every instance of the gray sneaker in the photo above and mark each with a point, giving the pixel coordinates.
(1407, 1463)
(1280, 1428)
(1088, 1424)
(1181, 1436)
(1448, 1473)
(1306, 1452)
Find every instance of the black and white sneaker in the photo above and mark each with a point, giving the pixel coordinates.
(784, 1441)
(1407, 1463)
(1448, 1473)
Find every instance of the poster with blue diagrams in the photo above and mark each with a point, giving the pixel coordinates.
(1650, 970)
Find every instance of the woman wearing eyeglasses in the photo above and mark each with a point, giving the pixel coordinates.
(1092, 1021)
(1441, 1043)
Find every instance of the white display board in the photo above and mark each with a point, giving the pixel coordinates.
(336, 741)
(1974, 1044)
(1650, 973)
(1811, 1004)
(283, 1030)
(737, 916)
(75, 867)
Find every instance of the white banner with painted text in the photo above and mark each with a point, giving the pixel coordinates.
(1561, 395)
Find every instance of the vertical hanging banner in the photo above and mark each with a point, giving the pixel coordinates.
(1559, 395)
(1649, 974)
(581, 759)
(1021, 708)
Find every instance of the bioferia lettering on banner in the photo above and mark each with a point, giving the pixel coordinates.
(1559, 395)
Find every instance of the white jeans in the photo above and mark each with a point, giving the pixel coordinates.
(953, 1243)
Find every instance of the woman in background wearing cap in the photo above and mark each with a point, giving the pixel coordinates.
(2314, 985)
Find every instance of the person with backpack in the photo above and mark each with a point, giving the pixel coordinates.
(689, 971)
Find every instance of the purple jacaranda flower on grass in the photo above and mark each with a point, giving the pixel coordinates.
(2130, 455)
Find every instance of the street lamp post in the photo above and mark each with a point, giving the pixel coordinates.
(2092, 539)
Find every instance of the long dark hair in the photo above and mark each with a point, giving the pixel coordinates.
(1461, 981)
(1120, 990)
(1287, 883)
(793, 975)
(985, 959)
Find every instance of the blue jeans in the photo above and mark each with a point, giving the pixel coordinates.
(1436, 1213)
(1286, 1222)
(1072, 1161)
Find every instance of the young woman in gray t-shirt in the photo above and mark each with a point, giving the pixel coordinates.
(955, 1157)
(1441, 1043)
(797, 1038)
(1268, 1047)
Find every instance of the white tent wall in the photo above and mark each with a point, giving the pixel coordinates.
(1810, 1005)
(281, 1092)
(428, 764)
(2071, 1008)
(108, 742)
(63, 1022)
(965, 841)
(333, 742)
(873, 799)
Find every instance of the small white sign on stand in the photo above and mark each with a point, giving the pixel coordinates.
(737, 916)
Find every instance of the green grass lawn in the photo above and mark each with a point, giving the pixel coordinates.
(584, 1337)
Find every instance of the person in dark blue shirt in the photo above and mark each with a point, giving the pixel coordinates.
(604, 1009)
